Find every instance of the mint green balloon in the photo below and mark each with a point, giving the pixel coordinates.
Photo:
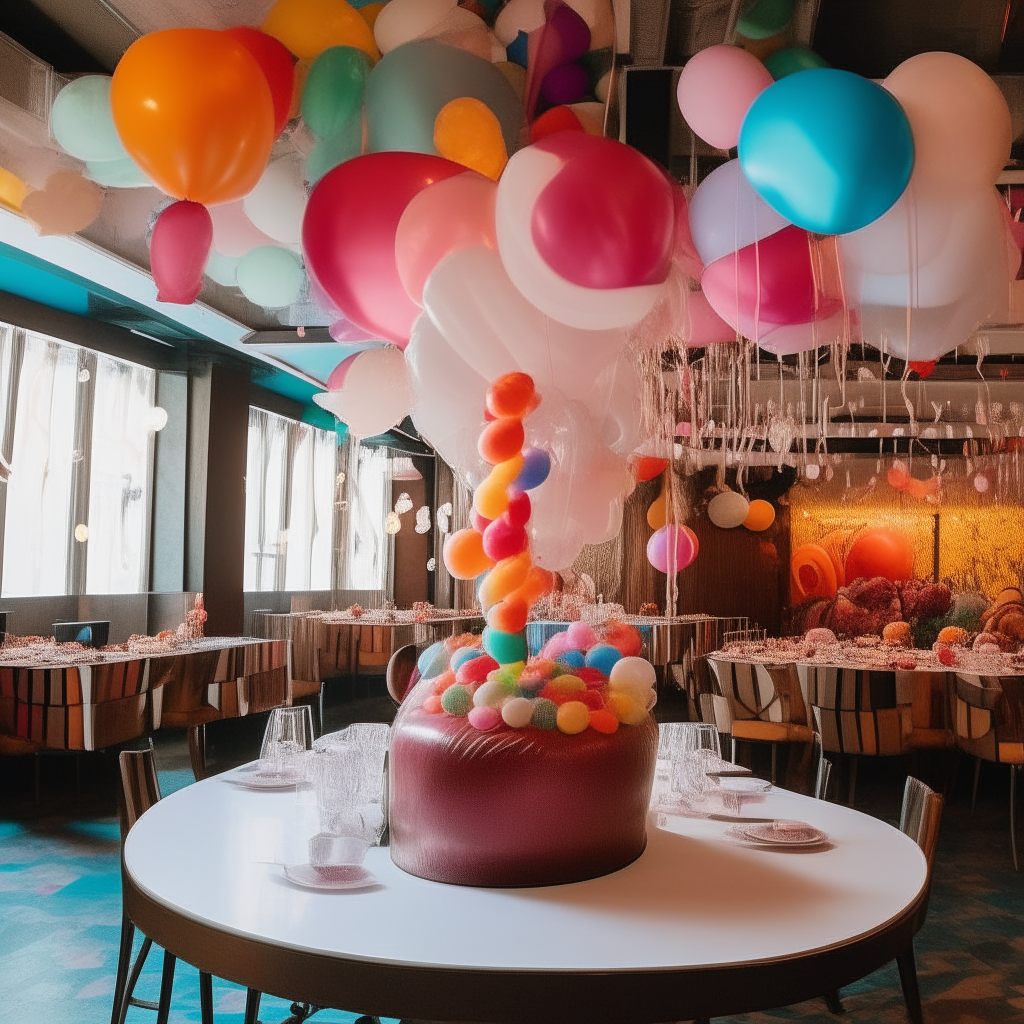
(123, 173)
(334, 88)
(789, 62)
(329, 152)
(223, 269)
(270, 276)
(765, 19)
(81, 120)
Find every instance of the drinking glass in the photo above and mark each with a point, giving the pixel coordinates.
(289, 734)
(693, 749)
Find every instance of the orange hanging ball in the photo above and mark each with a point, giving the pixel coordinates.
(760, 515)
(880, 552)
(193, 109)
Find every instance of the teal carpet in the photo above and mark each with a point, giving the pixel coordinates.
(60, 911)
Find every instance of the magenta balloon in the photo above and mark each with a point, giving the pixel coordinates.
(766, 285)
(715, 91)
(348, 236)
(568, 83)
(671, 546)
(606, 219)
(573, 33)
(178, 251)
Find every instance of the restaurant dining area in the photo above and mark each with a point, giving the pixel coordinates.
(511, 511)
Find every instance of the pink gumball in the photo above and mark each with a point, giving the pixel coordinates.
(556, 646)
(672, 548)
(457, 213)
(767, 284)
(716, 89)
(348, 236)
(178, 251)
(607, 218)
(581, 636)
(503, 538)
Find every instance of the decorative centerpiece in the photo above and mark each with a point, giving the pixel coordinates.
(508, 770)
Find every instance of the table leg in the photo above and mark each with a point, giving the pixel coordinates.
(908, 979)
(252, 1005)
(197, 750)
(205, 997)
(834, 1003)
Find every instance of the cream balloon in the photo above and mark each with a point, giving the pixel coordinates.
(728, 509)
(524, 178)
(377, 393)
(276, 205)
(402, 21)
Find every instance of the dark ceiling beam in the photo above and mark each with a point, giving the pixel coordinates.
(44, 38)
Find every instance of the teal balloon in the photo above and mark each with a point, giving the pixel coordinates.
(123, 173)
(81, 121)
(505, 648)
(407, 89)
(334, 88)
(828, 150)
(330, 152)
(223, 269)
(792, 60)
(270, 276)
(765, 19)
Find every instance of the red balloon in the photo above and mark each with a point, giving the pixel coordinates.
(277, 66)
(503, 538)
(766, 284)
(348, 236)
(557, 119)
(518, 510)
(178, 251)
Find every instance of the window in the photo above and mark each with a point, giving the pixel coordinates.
(78, 499)
(289, 504)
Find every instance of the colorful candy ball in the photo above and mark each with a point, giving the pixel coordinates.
(603, 657)
(517, 712)
(573, 717)
(485, 718)
(475, 670)
(604, 721)
(545, 713)
(457, 700)
(492, 694)
(625, 708)
(633, 671)
(572, 659)
(432, 705)
(464, 654)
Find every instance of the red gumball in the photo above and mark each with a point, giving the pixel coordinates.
(475, 670)
(518, 510)
(503, 538)
(348, 236)
(624, 638)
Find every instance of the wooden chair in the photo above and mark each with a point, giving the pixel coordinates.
(138, 790)
(400, 671)
(758, 703)
(988, 723)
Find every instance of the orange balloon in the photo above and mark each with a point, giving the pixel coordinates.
(467, 132)
(369, 12)
(308, 27)
(501, 439)
(508, 575)
(812, 573)
(464, 555)
(880, 553)
(760, 515)
(508, 616)
(193, 109)
(512, 394)
(538, 584)
(491, 498)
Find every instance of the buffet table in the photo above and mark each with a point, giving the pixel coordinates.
(698, 926)
(93, 698)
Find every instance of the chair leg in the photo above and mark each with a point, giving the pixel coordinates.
(133, 979)
(197, 750)
(320, 710)
(124, 961)
(1013, 815)
(908, 979)
(732, 743)
(834, 1002)
(166, 985)
(974, 788)
(252, 1006)
(853, 780)
(205, 998)
(775, 756)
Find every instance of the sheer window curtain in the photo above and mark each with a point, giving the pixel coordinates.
(366, 564)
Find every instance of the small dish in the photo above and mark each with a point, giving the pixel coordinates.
(785, 833)
(286, 779)
(329, 877)
(746, 786)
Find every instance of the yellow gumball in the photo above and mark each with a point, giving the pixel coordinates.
(308, 27)
(573, 717)
(567, 684)
(467, 132)
(760, 515)
(625, 708)
(491, 497)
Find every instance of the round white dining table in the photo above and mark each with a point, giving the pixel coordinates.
(700, 925)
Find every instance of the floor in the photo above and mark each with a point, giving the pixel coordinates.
(60, 893)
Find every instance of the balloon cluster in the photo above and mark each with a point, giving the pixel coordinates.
(497, 544)
(850, 202)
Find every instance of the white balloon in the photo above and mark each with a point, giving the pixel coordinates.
(726, 214)
(728, 510)
(402, 21)
(524, 178)
(276, 205)
(527, 15)
(377, 394)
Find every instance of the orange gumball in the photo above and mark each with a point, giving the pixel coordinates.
(507, 576)
(193, 108)
(812, 573)
(501, 439)
(880, 552)
(538, 584)
(508, 616)
(760, 515)
(512, 395)
(464, 555)
(491, 498)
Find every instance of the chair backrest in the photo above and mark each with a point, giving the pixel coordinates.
(988, 716)
(138, 787)
(920, 815)
(762, 692)
(400, 670)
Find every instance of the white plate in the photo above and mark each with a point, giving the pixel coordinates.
(267, 780)
(330, 877)
(745, 786)
(769, 835)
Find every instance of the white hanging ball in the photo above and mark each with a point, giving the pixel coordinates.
(728, 510)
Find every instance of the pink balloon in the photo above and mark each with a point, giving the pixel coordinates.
(792, 338)
(178, 251)
(346, 332)
(706, 326)
(672, 548)
(340, 372)
(581, 636)
(767, 284)
(457, 213)
(233, 233)
(348, 236)
(715, 90)
(607, 218)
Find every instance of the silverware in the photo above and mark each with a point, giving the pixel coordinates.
(739, 820)
(738, 773)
